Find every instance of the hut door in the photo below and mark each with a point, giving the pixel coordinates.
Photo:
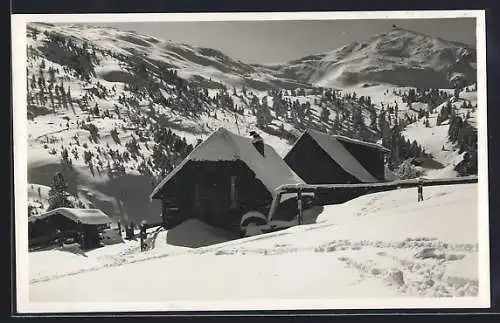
(215, 194)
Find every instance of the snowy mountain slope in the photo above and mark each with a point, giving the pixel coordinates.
(201, 65)
(412, 252)
(59, 122)
(92, 94)
(82, 120)
(399, 57)
(435, 139)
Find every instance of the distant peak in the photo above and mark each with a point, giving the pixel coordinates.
(400, 31)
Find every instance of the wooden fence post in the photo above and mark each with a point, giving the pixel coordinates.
(299, 205)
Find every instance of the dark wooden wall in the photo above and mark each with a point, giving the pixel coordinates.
(91, 236)
(314, 165)
(49, 226)
(44, 232)
(214, 205)
(372, 159)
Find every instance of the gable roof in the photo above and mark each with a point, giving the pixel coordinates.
(85, 216)
(337, 152)
(223, 145)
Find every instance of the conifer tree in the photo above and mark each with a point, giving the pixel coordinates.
(336, 123)
(58, 196)
(33, 82)
(373, 119)
(325, 115)
(68, 96)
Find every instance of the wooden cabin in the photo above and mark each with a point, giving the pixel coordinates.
(223, 178)
(82, 225)
(319, 158)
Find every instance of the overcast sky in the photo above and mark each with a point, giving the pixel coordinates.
(280, 41)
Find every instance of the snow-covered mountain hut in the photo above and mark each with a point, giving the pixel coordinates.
(83, 225)
(223, 178)
(319, 158)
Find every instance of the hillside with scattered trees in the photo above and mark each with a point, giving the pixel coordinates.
(105, 114)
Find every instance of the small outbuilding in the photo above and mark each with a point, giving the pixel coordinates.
(222, 179)
(84, 226)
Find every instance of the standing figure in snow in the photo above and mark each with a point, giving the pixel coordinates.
(81, 238)
(420, 190)
(130, 231)
(258, 142)
(143, 236)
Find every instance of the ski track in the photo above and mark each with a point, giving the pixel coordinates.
(419, 274)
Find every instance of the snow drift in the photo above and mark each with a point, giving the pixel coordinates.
(193, 233)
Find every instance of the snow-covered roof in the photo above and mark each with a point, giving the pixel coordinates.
(332, 146)
(362, 143)
(85, 216)
(223, 145)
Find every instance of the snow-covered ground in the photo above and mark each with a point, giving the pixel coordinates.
(434, 139)
(382, 245)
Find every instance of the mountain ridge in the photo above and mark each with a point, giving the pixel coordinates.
(398, 57)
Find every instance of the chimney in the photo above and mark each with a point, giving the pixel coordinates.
(258, 142)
